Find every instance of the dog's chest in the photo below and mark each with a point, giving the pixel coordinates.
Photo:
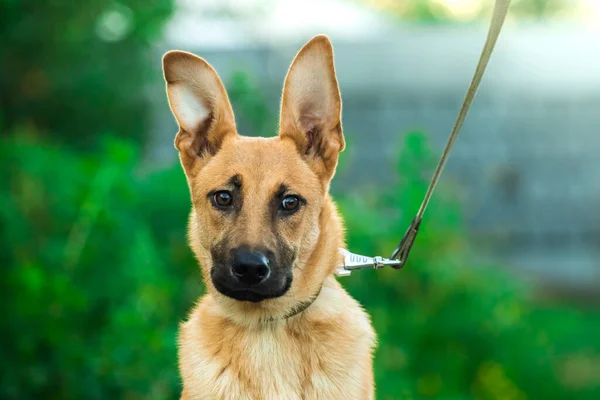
(279, 363)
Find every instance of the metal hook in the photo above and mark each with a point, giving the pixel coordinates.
(356, 261)
(397, 260)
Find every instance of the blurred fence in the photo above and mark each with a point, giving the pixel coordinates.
(526, 162)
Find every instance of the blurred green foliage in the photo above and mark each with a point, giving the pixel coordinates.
(96, 273)
(250, 105)
(449, 327)
(74, 70)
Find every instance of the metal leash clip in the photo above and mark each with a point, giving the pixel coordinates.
(356, 261)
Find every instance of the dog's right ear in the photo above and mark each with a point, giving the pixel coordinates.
(201, 107)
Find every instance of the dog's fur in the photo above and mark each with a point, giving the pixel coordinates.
(312, 341)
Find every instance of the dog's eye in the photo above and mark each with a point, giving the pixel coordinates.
(290, 203)
(222, 199)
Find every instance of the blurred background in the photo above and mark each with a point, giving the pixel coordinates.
(501, 296)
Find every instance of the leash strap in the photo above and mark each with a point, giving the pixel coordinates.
(353, 262)
(499, 15)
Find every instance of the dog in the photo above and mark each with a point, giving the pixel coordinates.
(274, 322)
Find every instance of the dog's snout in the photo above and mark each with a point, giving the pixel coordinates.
(250, 267)
(249, 273)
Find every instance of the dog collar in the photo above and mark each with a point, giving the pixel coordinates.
(302, 306)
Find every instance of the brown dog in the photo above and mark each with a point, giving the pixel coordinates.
(274, 324)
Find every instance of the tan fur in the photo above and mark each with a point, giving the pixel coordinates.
(229, 349)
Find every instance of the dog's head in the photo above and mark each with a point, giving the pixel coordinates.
(261, 205)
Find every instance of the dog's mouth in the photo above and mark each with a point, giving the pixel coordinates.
(248, 295)
(276, 286)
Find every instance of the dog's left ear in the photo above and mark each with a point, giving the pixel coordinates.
(311, 107)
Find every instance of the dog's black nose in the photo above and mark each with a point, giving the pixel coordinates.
(250, 267)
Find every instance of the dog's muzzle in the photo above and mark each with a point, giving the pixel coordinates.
(251, 275)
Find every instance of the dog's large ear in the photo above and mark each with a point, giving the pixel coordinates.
(200, 104)
(311, 107)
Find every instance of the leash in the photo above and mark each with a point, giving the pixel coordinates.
(398, 258)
